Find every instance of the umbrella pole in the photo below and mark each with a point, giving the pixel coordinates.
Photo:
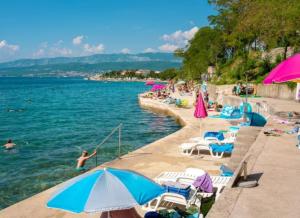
(201, 132)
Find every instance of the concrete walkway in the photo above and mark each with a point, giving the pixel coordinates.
(275, 163)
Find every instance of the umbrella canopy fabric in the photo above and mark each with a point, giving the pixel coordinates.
(105, 190)
(181, 82)
(158, 87)
(288, 70)
(256, 119)
(150, 83)
(200, 110)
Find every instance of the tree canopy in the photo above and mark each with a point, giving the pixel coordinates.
(238, 35)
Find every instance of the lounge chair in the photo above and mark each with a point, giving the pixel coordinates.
(194, 197)
(188, 177)
(204, 144)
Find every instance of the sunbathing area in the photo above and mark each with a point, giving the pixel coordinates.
(207, 166)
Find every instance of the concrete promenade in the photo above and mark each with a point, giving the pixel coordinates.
(150, 160)
(275, 163)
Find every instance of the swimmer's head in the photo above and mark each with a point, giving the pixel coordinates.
(9, 141)
(84, 153)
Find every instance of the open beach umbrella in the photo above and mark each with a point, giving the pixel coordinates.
(149, 83)
(105, 190)
(181, 82)
(200, 110)
(288, 70)
(256, 119)
(158, 87)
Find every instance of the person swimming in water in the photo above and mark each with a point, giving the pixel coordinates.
(9, 145)
(83, 158)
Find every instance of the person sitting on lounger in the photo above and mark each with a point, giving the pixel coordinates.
(83, 158)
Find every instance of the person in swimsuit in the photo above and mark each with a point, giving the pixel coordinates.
(83, 158)
(9, 145)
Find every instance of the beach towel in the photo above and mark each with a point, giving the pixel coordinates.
(178, 188)
(227, 148)
(226, 171)
(218, 135)
(204, 183)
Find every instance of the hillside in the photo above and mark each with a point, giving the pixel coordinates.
(83, 66)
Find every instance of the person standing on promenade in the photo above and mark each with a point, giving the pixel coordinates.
(9, 145)
(82, 159)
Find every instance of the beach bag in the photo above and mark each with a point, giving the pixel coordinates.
(178, 188)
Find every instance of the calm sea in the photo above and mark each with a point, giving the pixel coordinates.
(53, 119)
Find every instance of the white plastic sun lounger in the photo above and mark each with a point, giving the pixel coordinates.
(169, 199)
(189, 147)
(219, 182)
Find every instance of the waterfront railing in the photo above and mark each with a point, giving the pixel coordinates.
(116, 129)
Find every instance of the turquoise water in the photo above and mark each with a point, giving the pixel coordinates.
(52, 119)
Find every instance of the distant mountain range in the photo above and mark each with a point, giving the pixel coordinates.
(84, 66)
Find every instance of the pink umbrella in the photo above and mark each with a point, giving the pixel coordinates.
(200, 110)
(150, 83)
(158, 87)
(287, 70)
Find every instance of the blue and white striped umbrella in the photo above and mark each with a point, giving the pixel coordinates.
(105, 190)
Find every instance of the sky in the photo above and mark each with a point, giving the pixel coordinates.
(51, 28)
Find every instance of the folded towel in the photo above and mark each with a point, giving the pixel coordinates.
(227, 148)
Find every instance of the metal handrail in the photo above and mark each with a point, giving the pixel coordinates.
(119, 127)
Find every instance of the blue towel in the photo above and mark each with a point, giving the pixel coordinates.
(226, 171)
(227, 148)
(218, 135)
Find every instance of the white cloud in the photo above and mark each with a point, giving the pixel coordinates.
(178, 39)
(94, 49)
(168, 47)
(39, 53)
(125, 51)
(149, 50)
(56, 51)
(3, 43)
(8, 47)
(78, 40)
(179, 36)
(52, 51)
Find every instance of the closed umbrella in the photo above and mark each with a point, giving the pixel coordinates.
(200, 109)
(105, 190)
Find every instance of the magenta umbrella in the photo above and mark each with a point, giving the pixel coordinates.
(288, 70)
(200, 110)
(150, 83)
(158, 87)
